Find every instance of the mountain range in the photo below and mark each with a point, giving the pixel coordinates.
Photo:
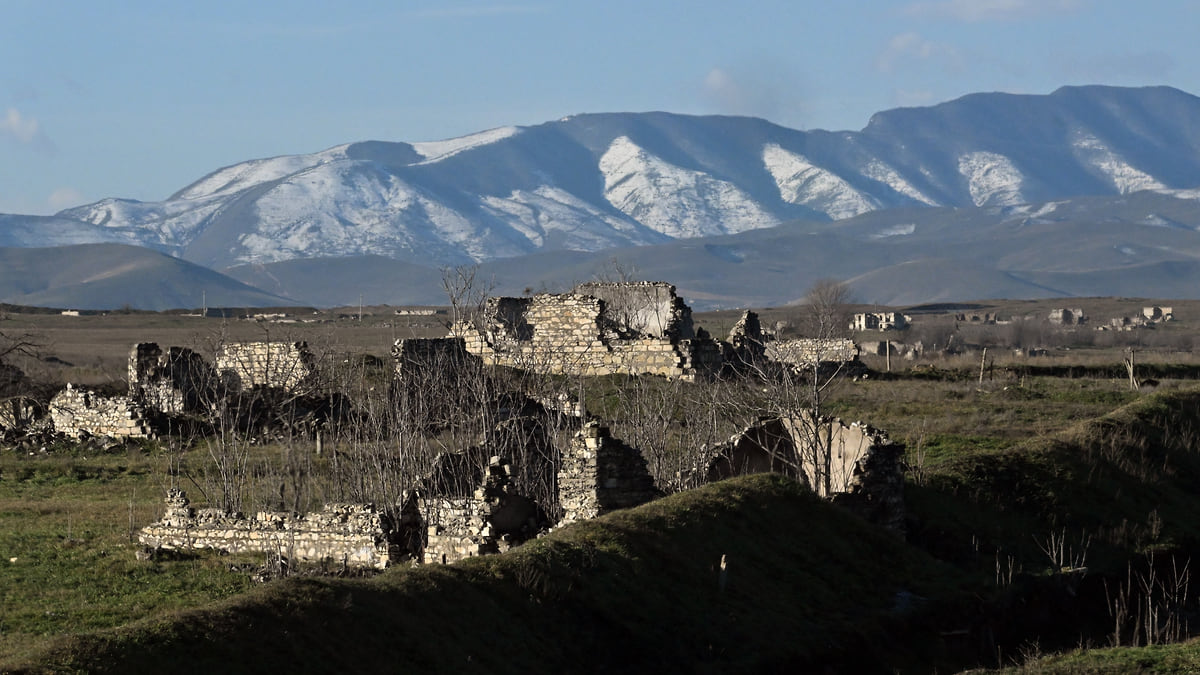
(1085, 191)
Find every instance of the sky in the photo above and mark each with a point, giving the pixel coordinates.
(138, 99)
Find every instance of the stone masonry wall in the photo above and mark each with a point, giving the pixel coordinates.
(283, 365)
(865, 468)
(76, 411)
(579, 334)
(473, 525)
(649, 308)
(354, 534)
(803, 352)
(600, 474)
(175, 381)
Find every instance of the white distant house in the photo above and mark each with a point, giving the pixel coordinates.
(879, 321)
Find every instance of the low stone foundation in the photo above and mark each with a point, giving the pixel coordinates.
(352, 534)
(804, 351)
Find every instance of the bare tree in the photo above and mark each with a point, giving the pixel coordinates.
(466, 293)
(796, 383)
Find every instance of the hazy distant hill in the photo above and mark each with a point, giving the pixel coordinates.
(109, 276)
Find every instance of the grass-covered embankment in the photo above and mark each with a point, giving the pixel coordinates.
(805, 584)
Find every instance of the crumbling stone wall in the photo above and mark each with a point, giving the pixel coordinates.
(1157, 314)
(746, 344)
(600, 329)
(648, 308)
(854, 464)
(289, 366)
(490, 520)
(601, 474)
(353, 534)
(76, 411)
(18, 409)
(1068, 317)
(879, 321)
(806, 351)
(174, 382)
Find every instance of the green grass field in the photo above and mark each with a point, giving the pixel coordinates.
(998, 470)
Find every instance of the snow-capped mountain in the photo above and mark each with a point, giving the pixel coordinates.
(598, 181)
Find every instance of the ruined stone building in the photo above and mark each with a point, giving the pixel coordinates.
(1068, 317)
(853, 464)
(878, 321)
(1157, 314)
(600, 474)
(986, 318)
(179, 381)
(598, 329)
(175, 381)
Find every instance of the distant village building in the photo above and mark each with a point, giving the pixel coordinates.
(985, 318)
(1068, 317)
(879, 321)
(1156, 314)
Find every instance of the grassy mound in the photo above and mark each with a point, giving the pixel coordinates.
(805, 584)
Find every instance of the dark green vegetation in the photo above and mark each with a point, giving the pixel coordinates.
(805, 585)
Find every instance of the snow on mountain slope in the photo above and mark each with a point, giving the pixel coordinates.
(45, 231)
(626, 179)
(1124, 177)
(992, 179)
(879, 171)
(355, 208)
(435, 150)
(257, 171)
(802, 182)
(675, 201)
(166, 225)
(551, 216)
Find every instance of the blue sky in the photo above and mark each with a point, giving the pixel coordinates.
(138, 99)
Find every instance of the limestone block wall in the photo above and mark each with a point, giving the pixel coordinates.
(354, 534)
(459, 527)
(576, 334)
(283, 365)
(76, 411)
(600, 474)
(644, 307)
(805, 351)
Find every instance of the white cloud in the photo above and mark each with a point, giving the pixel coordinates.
(912, 47)
(768, 91)
(989, 10)
(18, 127)
(63, 198)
